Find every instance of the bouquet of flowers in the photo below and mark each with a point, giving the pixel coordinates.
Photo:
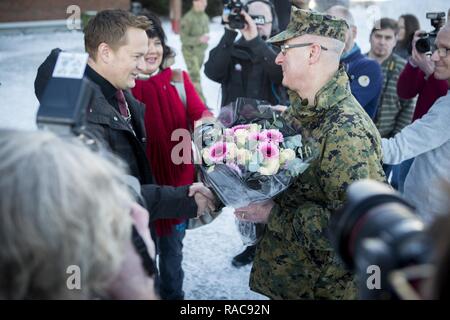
(251, 155)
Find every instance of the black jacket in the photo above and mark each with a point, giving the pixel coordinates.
(108, 126)
(106, 122)
(246, 69)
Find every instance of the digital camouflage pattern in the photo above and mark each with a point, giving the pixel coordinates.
(193, 25)
(294, 259)
(311, 22)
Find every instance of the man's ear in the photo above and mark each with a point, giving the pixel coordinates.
(104, 53)
(314, 53)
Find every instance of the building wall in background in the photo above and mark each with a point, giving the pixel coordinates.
(32, 10)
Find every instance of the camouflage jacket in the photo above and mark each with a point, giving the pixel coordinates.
(193, 26)
(294, 259)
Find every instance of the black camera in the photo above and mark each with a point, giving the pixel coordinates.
(235, 18)
(378, 231)
(426, 42)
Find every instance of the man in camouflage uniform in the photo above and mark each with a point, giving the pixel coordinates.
(194, 39)
(295, 259)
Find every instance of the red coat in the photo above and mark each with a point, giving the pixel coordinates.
(165, 113)
(412, 82)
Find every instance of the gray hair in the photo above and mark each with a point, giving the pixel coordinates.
(342, 12)
(60, 205)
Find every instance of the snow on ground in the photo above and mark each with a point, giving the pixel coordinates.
(208, 250)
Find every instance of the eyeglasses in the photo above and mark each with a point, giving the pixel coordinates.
(442, 52)
(285, 47)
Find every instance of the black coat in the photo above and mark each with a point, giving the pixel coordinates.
(106, 123)
(246, 69)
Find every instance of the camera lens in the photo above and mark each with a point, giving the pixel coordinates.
(371, 211)
(423, 45)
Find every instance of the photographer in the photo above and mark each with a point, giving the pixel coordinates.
(417, 79)
(116, 42)
(63, 206)
(246, 68)
(428, 140)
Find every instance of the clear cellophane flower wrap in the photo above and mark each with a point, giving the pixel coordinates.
(249, 155)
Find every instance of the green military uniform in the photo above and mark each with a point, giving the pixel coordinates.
(294, 259)
(193, 25)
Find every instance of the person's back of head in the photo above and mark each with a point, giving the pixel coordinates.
(61, 206)
(344, 13)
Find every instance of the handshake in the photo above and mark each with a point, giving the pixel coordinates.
(204, 198)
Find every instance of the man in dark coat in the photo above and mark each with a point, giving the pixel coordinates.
(246, 68)
(116, 42)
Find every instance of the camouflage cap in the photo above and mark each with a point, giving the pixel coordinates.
(312, 22)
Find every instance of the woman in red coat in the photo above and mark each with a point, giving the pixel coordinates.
(165, 112)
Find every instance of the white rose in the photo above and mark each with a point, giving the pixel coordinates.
(286, 155)
(243, 157)
(270, 167)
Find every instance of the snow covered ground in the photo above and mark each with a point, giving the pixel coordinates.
(208, 250)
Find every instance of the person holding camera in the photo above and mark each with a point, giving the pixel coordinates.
(294, 259)
(428, 141)
(65, 223)
(246, 68)
(417, 79)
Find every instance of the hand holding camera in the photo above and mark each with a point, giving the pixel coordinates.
(250, 31)
(419, 59)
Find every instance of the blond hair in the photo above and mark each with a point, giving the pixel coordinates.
(60, 205)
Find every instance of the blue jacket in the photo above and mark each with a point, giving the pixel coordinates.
(366, 79)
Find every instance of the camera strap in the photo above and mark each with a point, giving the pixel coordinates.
(141, 248)
(390, 71)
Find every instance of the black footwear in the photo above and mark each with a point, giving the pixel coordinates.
(245, 257)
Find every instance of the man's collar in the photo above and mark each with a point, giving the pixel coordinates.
(107, 88)
(332, 93)
(351, 52)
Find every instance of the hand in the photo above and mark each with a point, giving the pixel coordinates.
(132, 282)
(257, 212)
(204, 198)
(421, 60)
(204, 39)
(250, 30)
